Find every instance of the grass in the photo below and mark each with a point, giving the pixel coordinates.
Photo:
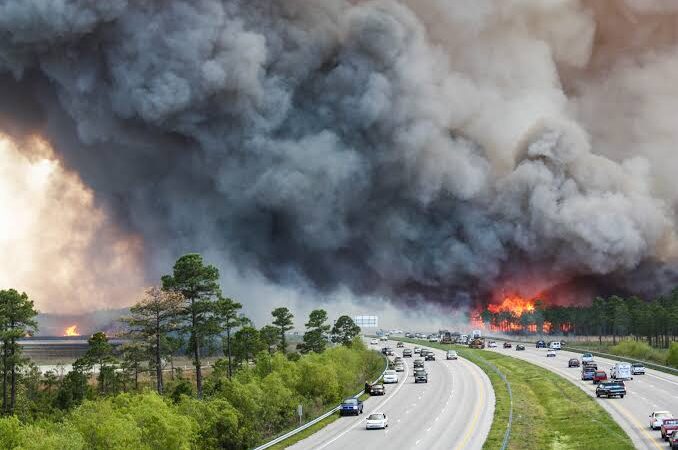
(306, 433)
(549, 412)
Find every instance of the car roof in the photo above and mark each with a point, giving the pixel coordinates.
(661, 412)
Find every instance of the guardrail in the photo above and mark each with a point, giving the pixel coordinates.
(289, 434)
(647, 364)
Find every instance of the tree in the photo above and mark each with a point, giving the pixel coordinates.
(198, 283)
(344, 331)
(151, 319)
(246, 344)
(133, 355)
(271, 337)
(99, 353)
(17, 318)
(283, 322)
(316, 329)
(226, 311)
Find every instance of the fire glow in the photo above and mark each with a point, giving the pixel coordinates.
(513, 304)
(71, 331)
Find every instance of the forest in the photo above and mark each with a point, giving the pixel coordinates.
(132, 396)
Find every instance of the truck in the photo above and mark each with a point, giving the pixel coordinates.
(621, 371)
(446, 337)
(669, 426)
(477, 343)
(475, 334)
(463, 339)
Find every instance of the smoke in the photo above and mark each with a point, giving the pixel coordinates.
(407, 150)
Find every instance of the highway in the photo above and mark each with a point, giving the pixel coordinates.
(645, 393)
(453, 410)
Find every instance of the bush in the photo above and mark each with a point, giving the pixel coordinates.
(639, 350)
(672, 359)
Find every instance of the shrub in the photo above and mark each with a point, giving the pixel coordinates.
(672, 358)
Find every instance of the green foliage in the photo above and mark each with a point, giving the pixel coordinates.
(270, 336)
(216, 420)
(283, 322)
(672, 358)
(344, 331)
(316, 330)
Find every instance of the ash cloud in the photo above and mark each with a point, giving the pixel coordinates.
(410, 150)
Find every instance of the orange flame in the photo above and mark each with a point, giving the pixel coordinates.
(71, 331)
(513, 304)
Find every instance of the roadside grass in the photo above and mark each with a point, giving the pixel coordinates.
(306, 433)
(549, 411)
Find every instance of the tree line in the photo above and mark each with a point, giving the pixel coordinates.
(247, 395)
(655, 322)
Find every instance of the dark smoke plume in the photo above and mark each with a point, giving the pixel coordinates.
(415, 149)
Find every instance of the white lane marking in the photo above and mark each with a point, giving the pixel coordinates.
(428, 429)
(661, 378)
(437, 418)
(380, 406)
(417, 443)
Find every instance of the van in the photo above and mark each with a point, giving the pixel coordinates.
(621, 371)
(555, 345)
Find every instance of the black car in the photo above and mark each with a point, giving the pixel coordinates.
(573, 362)
(351, 406)
(507, 345)
(430, 356)
(418, 363)
(520, 347)
(420, 376)
(541, 344)
(590, 365)
(377, 389)
(611, 389)
(400, 345)
(587, 373)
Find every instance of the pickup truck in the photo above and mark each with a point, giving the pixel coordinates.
(351, 406)
(611, 389)
(669, 426)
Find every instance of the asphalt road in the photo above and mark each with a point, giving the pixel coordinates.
(645, 393)
(453, 410)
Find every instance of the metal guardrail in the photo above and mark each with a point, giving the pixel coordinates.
(507, 434)
(648, 364)
(289, 434)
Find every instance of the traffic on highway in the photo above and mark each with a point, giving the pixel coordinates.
(427, 399)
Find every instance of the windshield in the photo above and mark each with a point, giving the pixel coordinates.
(663, 414)
(420, 372)
(351, 401)
(389, 372)
(376, 417)
(671, 422)
(637, 365)
(587, 355)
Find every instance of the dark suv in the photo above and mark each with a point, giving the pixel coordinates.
(351, 406)
(611, 389)
(430, 356)
(420, 376)
(541, 344)
(418, 363)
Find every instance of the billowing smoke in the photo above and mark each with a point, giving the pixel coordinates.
(414, 149)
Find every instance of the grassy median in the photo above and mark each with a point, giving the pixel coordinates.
(549, 412)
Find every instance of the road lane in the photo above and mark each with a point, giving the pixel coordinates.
(645, 393)
(453, 410)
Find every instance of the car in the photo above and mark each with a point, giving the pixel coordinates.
(376, 421)
(507, 345)
(590, 364)
(555, 345)
(657, 418)
(400, 367)
(611, 389)
(551, 353)
(586, 357)
(374, 342)
(418, 363)
(637, 369)
(400, 345)
(383, 338)
(390, 376)
(377, 389)
(520, 347)
(351, 406)
(430, 356)
(420, 376)
(587, 373)
(492, 344)
(541, 344)
(451, 354)
(389, 351)
(669, 427)
(433, 338)
(573, 362)
(673, 441)
(599, 376)
(424, 352)
(384, 351)
(407, 353)
(417, 350)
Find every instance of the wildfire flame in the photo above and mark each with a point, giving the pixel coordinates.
(513, 304)
(71, 331)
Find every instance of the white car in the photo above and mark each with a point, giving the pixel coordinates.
(586, 357)
(377, 421)
(374, 342)
(657, 418)
(451, 354)
(637, 369)
(492, 344)
(550, 353)
(390, 376)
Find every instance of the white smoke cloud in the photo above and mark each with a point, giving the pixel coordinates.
(402, 150)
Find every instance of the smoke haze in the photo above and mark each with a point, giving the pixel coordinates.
(413, 151)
